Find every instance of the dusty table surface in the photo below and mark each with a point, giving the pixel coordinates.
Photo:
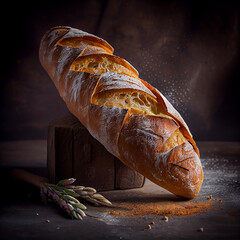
(23, 216)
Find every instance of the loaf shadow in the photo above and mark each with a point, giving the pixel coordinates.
(149, 194)
(156, 198)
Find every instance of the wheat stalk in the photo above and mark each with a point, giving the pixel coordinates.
(64, 194)
(90, 194)
(64, 198)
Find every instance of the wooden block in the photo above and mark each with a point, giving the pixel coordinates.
(73, 152)
(93, 165)
(125, 177)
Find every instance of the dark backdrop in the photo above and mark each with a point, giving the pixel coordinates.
(189, 50)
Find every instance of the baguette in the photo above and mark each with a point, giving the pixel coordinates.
(131, 118)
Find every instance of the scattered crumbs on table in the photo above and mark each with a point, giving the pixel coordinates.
(165, 219)
(149, 227)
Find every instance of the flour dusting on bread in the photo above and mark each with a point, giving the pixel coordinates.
(131, 118)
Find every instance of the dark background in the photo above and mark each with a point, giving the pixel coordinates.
(189, 50)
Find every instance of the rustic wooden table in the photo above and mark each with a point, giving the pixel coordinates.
(23, 216)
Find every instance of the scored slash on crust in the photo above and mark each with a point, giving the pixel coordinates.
(176, 165)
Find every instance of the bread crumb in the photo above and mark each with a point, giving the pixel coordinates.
(47, 221)
(200, 229)
(149, 227)
(209, 197)
(165, 219)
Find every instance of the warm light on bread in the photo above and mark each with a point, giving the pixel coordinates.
(101, 63)
(132, 119)
(87, 40)
(139, 102)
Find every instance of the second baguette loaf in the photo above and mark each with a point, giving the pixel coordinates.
(132, 119)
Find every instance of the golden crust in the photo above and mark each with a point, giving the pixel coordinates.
(184, 163)
(174, 114)
(132, 119)
(178, 170)
(107, 134)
